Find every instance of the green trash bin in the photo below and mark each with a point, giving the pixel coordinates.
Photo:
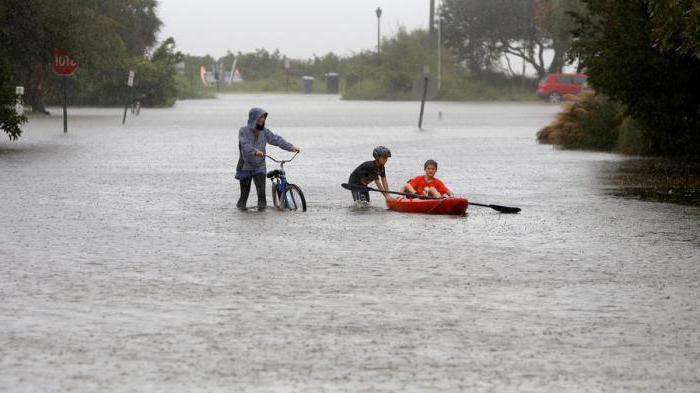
(308, 82)
(332, 83)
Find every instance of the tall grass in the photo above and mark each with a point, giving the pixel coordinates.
(455, 88)
(593, 122)
(373, 89)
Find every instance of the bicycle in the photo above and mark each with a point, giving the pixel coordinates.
(285, 196)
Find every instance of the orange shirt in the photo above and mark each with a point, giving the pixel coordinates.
(419, 184)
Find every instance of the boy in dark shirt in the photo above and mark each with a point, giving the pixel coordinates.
(371, 171)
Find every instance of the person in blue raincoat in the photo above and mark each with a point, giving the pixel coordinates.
(252, 139)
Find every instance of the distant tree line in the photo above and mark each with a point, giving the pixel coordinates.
(389, 75)
(643, 56)
(110, 37)
(263, 64)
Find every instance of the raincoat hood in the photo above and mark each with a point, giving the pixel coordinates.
(253, 116)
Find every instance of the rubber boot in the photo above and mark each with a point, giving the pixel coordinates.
(260, 188)
(245, 190)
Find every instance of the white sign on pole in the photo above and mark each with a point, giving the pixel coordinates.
(130, 82)
(19, 105)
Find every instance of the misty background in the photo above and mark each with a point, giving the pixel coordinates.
(298, 29)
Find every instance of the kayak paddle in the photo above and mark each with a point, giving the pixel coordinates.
(360, 187)
(499, 208)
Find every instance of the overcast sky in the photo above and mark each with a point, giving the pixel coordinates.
(298, 28)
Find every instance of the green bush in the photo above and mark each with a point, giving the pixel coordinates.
(274, 83)
(190, 88)
(631, 139)
(397, 82)
(374, 90)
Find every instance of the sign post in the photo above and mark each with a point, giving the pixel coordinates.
(19, 105)
(426, 73)
(286, 71)
(130, 83)
(64, 65)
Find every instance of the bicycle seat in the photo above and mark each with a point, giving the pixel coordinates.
(274, 173)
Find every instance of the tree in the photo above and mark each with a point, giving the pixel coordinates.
(554, 19)
(618, 43)
(676, 25)
(403, 57)
(10, 120)
(157, 86)
(137, 24)
(105, 33)
(482, 32)
(257, 65)
(34, 29)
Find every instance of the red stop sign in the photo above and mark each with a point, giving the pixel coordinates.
(64, 63)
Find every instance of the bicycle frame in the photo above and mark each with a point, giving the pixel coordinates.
(279, 181)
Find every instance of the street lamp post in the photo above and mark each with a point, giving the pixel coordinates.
(379, 15)
(439, 45)
(431, 26)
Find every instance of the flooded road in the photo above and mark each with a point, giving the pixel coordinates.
(125, 266)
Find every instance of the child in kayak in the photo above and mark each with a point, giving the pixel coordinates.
(252, 139)
(371, 171)
(428, 184)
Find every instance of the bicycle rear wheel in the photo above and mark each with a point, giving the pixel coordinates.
(292, 199)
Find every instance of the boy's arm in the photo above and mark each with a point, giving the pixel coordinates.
(383, 185)
(445, 190)
(379, 184)
(277, 140)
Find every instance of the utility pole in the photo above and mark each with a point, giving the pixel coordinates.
(439, 47)
(286, 71)
(432, 21)
(65, 110)
(379, 39)
(439, 53)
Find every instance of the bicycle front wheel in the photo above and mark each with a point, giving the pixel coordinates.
(293, 199)
(276, 198)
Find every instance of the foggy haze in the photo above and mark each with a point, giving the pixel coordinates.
(299, 29)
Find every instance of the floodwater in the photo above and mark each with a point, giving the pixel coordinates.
(125, 266)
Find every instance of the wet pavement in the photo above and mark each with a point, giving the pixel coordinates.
(125, 266)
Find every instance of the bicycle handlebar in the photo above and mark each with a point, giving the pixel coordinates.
(282, 161)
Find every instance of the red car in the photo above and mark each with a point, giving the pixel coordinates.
(555, 86)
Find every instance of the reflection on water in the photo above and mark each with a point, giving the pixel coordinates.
(124, 261)
(656, 179)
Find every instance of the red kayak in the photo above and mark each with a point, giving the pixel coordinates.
(456, 206)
